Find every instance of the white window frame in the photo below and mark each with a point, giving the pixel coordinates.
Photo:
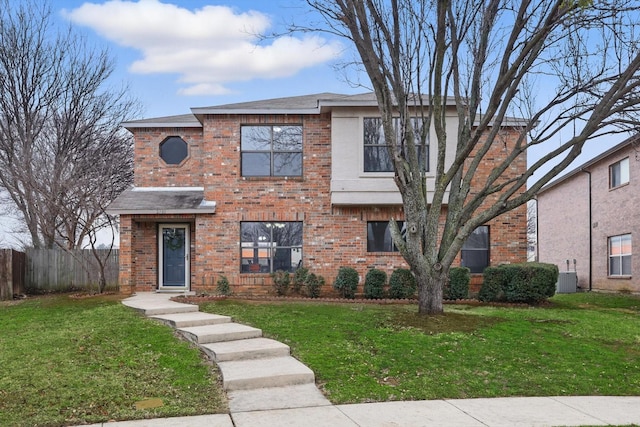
(616, 242)
(619, 173)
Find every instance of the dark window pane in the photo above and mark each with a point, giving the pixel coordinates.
(626, 265)
(376, 159)
(475, 260)
(379, 236)
(614, 266)
(479, 239)
(287, 164)
(256, 164)
(287, 138)
(287, 233)
(173, 150)
(475, 250)
(255, 138)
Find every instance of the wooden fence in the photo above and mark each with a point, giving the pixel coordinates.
(12, 269)
(54, 270)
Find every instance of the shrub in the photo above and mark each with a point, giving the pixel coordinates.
(458, 285)
(528, 283)
(494, 283)
(402, 284)
(222, 285)
(346, 282)
(374, 284)
(531, 283)
(298, 279)
(312, 284)
(281, 280)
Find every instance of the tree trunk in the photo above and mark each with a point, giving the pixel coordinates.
(430, 288)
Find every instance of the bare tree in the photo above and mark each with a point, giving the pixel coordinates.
(63, 155)
(563, 66)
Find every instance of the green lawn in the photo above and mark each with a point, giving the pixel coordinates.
(581, 344)
(72, 361)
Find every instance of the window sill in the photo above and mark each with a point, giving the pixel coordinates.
(619, 186)
(621, 277)
(272, 178)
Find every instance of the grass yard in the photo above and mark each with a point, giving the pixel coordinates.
(67, 361)
(581, 344)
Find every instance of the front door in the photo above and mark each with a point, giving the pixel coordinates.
(173, 257)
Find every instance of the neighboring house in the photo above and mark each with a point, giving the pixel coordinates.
(242, 190)
(589, 219)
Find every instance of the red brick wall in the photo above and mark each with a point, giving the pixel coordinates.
(333, 236)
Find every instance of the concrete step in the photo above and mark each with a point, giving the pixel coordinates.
(194, 318)
(253, 348)
(220, 332)
(263, 399)
(262, 373)
(157, 306)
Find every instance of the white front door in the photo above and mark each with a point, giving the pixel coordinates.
(173, 257)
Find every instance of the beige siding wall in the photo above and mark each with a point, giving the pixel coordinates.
(563, 222)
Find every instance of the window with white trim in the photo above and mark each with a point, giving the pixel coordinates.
(620, 255)
(619, 173)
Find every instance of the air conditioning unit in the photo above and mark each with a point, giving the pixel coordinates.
(567, 282)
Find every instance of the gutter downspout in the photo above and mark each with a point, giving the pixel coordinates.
(590, 234)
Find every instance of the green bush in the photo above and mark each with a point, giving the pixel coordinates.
(528, 283)
(402, 284)
(458, 285)
(494, 283)
(222, 285)
(374, 284)
(298, 279)
(281, 281)
(346, 282)
(531, 283)
(312, 285)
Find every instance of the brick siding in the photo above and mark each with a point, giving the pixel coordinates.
(333, 236)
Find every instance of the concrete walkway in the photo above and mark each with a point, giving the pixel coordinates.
(264, 406)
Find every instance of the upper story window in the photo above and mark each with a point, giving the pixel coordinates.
(379, 236)
(271, 150)
(475, 250)
(270, 246)
(620, 255)
(173, 150)
(619, 173)
(376, 154)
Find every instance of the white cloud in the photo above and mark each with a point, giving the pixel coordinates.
(208, 47)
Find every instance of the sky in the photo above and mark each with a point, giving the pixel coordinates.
(177, 54)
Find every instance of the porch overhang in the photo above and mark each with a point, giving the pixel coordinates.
(161, 201)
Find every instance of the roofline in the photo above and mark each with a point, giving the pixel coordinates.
(583, 167)
(160, 124)
(202, 210)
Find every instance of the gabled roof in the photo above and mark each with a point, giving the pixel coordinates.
(635, 140)
(305, 104)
